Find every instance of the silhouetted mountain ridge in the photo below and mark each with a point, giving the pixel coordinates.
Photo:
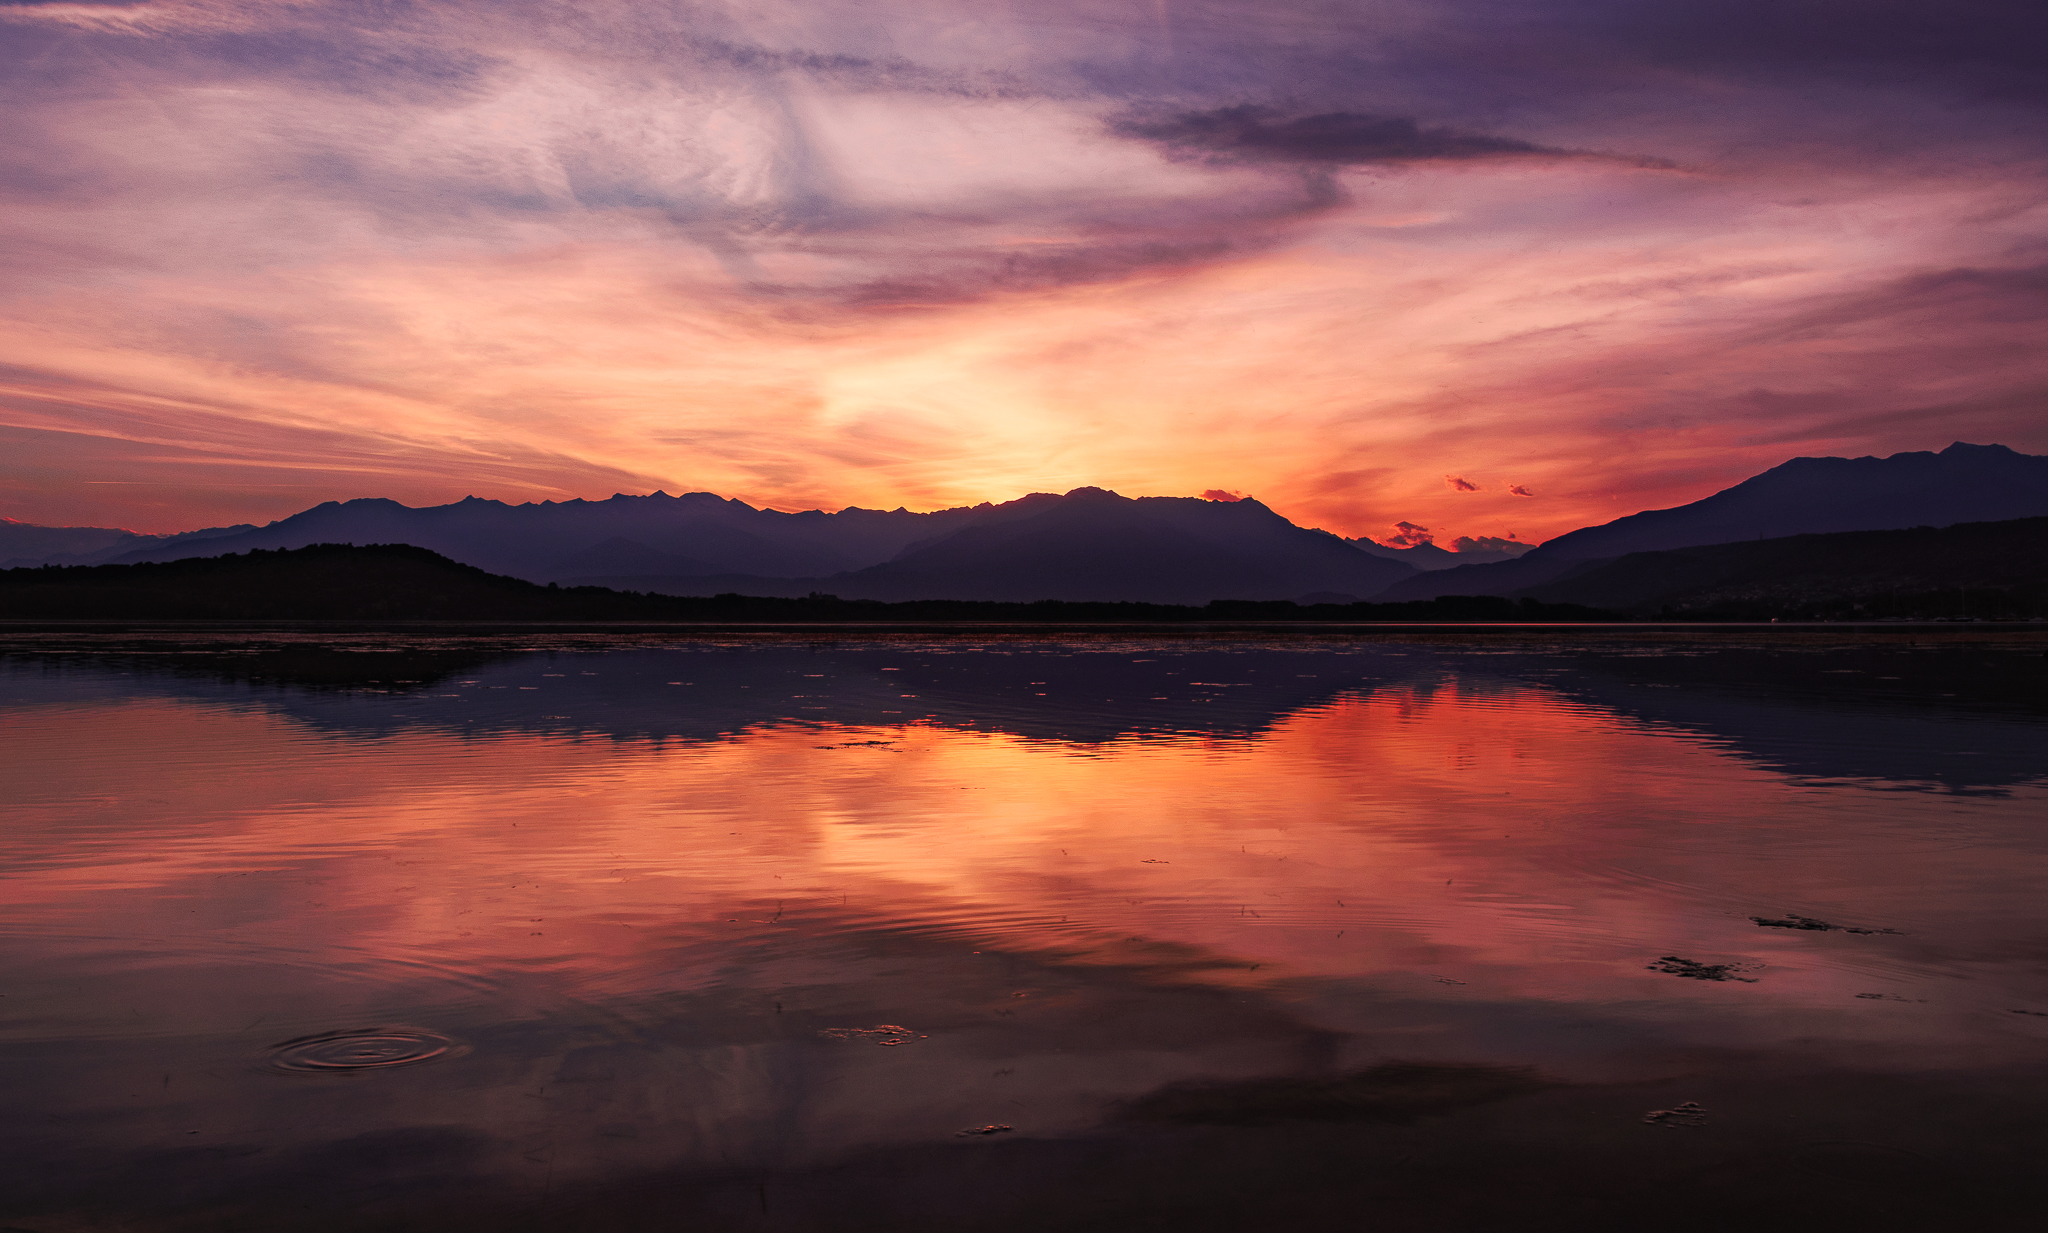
(1805, 496)
(1094, 545)
(1088, 545)
(543, 541)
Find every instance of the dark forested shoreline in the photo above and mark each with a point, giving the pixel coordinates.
(1988, 571)
(399, 582)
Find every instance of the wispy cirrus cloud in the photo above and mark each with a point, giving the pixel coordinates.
(825, 253)
(1248, 132)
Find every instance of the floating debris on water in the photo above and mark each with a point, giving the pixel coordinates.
(1391, 1092)
(881, 1034)
(1685, 1113)
(372, 1049)
(1790, 921)
(1692, 970)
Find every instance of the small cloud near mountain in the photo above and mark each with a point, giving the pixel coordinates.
(1410, 536)
(1219, 494)
(1459, 483)
(1490, 543)
(1520, 491)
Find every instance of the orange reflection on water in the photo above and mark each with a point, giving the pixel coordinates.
(1478, 832)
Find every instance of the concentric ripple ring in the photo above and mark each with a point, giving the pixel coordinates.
(369, 1049)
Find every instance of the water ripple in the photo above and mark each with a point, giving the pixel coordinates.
(371, 1049)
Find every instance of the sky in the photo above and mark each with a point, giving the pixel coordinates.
(1486, 267)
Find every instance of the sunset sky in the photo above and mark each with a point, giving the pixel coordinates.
(1487, 266)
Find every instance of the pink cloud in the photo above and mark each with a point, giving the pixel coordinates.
(1520, 491)
(1221, 494)
(1410, 536)
(1459, 483)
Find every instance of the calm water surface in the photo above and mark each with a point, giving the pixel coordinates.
(632, 931)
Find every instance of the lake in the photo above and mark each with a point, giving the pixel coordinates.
(1462, 929)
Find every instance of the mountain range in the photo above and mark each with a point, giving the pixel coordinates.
(1805, 496)
(1985, 570)
(1087, 545)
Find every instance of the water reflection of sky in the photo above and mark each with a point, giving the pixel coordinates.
(642, 886)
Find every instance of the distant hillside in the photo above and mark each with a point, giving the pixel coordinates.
(318, 582)
(1091, 545)
(1963, 483)
(1990, 570)
(399, 582)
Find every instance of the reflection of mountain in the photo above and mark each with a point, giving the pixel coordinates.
(1965, 716)
(670, 960)
(1806, 496)
(1045, 691)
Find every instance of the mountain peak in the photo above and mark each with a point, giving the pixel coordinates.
(1964, 483)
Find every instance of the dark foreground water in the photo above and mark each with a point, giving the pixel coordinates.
(637, 931)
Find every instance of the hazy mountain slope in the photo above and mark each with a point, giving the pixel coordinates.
(1805, 496)
(1499, 578)
(1430, 556)
(1984, 569)
(701, 584)
(24, 543)
(618, 555)
(545, 541)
